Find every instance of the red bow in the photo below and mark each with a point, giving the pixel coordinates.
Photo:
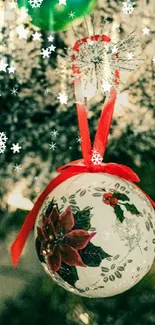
(79, 166)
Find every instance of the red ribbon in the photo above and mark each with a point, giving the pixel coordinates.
(106, 115)
(79, 166)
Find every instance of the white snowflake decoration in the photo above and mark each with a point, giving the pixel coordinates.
(53, 146)
(3, 140)
(54, 133)
(130, 233)
(17, 167)
(128, 7)
(45, 53)
(14, 91)
(52, 48)
(2, 147)
(63, 98)
(15, 147)
(71, 14)
(96, 158)
(3, 137)
(35, 3)
(79, 139)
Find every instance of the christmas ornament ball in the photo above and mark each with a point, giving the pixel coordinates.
(57, 15)
(95, 235)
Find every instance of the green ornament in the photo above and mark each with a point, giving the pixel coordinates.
(54, 16)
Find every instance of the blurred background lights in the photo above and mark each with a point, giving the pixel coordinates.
(84, 317)
(16, 199)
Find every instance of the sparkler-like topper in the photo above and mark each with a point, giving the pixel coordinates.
(97, 58)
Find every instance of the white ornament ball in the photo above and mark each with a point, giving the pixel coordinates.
(95, 235)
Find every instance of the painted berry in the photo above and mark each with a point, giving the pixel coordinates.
(109, 199)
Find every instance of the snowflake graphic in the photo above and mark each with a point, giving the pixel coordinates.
(35, 3)
(128, 7)
(130, 233)
(3, 140)
(15, 147)
(2, 147)
(52, 48)
(79, 139)
(45, 53)
(106, 87)
(96, 158)
(17, 167)
(52, 146)
(63, 98)
(51, 38)
(54, 133)
(71, 14)
(3, 137)
(146, 31)
(14, 91)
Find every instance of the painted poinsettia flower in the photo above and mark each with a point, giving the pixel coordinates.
(59, 242)
(109, 199)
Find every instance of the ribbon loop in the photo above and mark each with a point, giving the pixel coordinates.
(104, 124)
(106, 115)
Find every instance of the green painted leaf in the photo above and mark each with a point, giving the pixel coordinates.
(97, 194)
(120, 268)
(100, 189)
(100, 287)
(147, 225)
(132, 208)
(38, 247)
(118, 274)
(93, 255)
(83, 192)
(81, 290)
(104, 269)
(50, 207)
(74, 208)
(112, 277)
(82, 219)
(121, 196)
(150, 222)
(68, 274)
(88, 208)
(119, 213)
(116, 257)
(72, 202)
(63, 199)
(72, 196)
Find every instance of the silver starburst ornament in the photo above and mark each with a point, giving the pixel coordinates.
(98, 63)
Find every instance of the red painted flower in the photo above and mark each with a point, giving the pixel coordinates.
(108, 198)
(59, 242)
